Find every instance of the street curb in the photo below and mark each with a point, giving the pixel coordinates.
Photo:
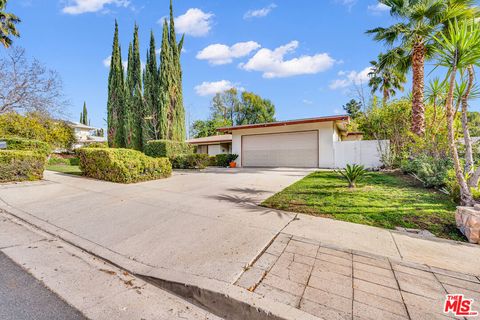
(220, 298)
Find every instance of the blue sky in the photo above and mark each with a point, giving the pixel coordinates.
(304, 55)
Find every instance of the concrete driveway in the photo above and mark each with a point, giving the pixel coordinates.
(201, 223)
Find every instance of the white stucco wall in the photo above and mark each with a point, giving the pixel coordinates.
(367, 153)
(327, 136)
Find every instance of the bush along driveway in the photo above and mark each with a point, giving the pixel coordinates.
(386, 200)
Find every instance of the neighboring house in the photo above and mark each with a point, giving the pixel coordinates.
(84, 134)
(213, 145)
(321, 142)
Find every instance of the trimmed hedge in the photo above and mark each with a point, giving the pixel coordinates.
(21, 165)
(191, 161)
(71, 161)
(223, 160)
(167, 148)
(122, 165)
(27, 145)
(96, 145)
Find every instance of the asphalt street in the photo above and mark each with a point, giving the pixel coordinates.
(22, 297)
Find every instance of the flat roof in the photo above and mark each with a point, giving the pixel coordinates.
(212, 139)
(285, 123)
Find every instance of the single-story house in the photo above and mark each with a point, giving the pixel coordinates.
(84, 134)
(322, 142)
(213, 145)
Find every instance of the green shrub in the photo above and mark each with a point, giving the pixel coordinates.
(15, 143)
(20, 165)
(167, 148)
(223, 160)
(212, 161)
(353, 174)
(97, 145)
(66, 161)
(431, 170)
(453, 188)
(122, 165)
(191, 161)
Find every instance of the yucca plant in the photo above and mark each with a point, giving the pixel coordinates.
(353, 173)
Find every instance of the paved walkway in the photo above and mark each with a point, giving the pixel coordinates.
(333, 283)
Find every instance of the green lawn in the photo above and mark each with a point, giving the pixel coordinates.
(381, 199)
(65, 169)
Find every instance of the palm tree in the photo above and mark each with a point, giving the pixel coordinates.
(387, 78)
(458, 49)
(410, 40)
(7, 25)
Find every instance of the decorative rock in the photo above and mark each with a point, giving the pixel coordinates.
(477, 207)
(468, 221)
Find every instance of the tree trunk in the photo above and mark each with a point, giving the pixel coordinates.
(466, 198)
(418, 108)
(466, 133)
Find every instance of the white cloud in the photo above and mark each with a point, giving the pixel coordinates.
(273, 64)
(350, 78)
(260, 12)
(218, 54)
(211, 88)
(378, 8)
(347, 3)
(306, 101)
(84, 6)
(194, 22)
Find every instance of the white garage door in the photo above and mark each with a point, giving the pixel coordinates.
(296, 149)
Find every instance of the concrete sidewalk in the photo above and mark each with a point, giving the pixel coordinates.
(94, 287)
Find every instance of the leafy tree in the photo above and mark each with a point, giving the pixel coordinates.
(413, 41)
(206, 128)
(474, 121)
(28, 86)
(254, 109)
(7, 25)
(225, 105)
(387, 78)
(353, 108)
(116, 96)
(458, 49)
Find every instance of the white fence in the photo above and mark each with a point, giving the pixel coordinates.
(367, 153)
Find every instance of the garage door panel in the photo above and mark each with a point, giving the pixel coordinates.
(298, 149)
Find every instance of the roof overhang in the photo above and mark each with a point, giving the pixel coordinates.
(341, 122)
(211, 140)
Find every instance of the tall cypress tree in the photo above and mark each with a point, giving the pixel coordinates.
(84, 115)
(116, 96)
(151, 127)
(135, 113)
(165, 80)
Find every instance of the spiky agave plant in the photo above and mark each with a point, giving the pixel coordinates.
(352, 173)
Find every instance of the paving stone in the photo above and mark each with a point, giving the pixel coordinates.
(377, 290)
(454, 274)
(334, 259)
(420, 286)
(473, 286)
(328, 299)
(338, 288)
(365, 311)
(322, 265)
(285, 259)
(412, 265)
(266, 261)
(380, 302)
(306, 249)
(419, 305)
(312, 241)
(250, 278)
(381, 263)
(332, 276)
(278, 295)
(372, 269)
(416, 314)
(297, 272)
(414, 272)
(388, 281)
(322, 311)
(337, 253)
(468, 293)
(300, 258)
(284, 284)
(277, 247)
(283, 238)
